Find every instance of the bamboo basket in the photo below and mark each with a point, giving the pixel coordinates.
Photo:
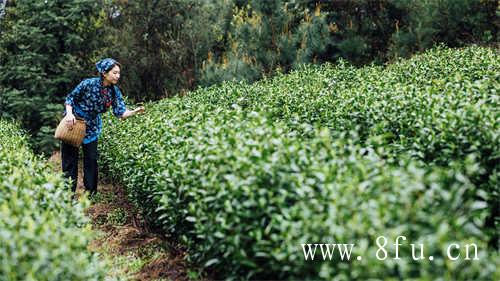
(73, 136)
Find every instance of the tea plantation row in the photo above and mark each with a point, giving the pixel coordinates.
(244, 174)
(41, 233)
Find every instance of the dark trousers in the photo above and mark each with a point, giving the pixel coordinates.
(69, 156)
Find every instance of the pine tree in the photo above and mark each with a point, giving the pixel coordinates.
(452, 22)
(268, 36)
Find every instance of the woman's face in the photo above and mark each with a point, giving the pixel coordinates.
(113, 75)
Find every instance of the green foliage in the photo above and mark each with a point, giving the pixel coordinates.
(103, 197)
(244, 174)
(454, 22)
(43, 235)
(167, 47)
(265, 36)
(117, 217)
(161, 44)
(45, 48)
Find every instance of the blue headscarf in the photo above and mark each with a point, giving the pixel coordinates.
(105, 65)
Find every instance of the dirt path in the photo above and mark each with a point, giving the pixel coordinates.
(125, 240)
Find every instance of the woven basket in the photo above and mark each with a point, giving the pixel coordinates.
(73, 136)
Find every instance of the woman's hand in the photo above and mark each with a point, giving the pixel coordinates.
(140, 109)
(70, 120)
(129, 113)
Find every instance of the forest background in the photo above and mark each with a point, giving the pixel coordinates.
(169, 47)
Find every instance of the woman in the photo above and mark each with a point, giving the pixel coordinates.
(88, 100)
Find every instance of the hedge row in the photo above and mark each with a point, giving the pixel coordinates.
(43, 235)
(438, 107)
(244, 174)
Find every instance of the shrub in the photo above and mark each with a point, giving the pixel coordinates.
(43, 235)
(245, 174)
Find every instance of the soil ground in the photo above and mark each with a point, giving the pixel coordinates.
(134, 251)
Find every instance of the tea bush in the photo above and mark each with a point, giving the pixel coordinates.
(43, 235)
(245, 174)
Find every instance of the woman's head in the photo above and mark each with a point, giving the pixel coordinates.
(109, 69)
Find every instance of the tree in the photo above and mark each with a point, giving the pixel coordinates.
(45, 48)
(268, 36)
(160, 43)
(280, 34)
(452, 22)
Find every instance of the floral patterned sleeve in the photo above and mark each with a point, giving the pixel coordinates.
(118, 103)
(77, 92)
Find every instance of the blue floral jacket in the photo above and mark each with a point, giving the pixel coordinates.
(89, 99)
